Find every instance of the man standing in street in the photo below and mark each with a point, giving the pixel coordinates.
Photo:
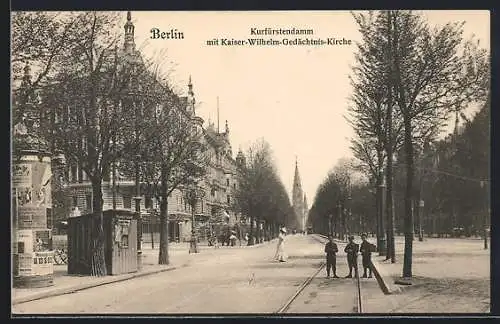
(366, 250)
(352, 256)
(331, 257)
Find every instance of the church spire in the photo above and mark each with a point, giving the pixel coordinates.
(298, 197)
(129, 34)
(296, 178)
(190, 86)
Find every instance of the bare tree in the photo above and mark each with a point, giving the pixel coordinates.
(172, 150)
(38, 39)
(260, 194)
(378, 127)
(434, 73)
(89, 110)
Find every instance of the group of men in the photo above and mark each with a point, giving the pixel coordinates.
(352, 249)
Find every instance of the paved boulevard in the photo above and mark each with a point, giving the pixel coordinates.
(225, 280)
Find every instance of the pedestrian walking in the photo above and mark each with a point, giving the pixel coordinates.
(281, 255)
(352, 256)
(331, 250)
(366, 250)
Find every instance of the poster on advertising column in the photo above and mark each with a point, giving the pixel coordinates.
(21, 175)
(31, 217)
(43, 263)
(32, 192)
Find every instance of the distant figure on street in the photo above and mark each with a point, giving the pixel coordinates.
(352, 256)
(366, 250)
(216, 242)
(281, 255)
(246, 237)
(232, 239)
(331, 257)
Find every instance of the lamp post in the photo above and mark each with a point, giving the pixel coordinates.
(58, 165)
(350, 226)
(485, 222)
(341, 227)
(137, 199)
(192, 195)
(330, 225)
(420, 216)
(382, 195)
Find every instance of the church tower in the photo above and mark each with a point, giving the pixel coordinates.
(298, 198)
(129, 34)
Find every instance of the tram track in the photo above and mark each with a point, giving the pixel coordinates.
(358, 304)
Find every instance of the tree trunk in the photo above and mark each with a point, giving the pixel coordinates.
(250, 236)
(390, 254)
(163, 254)
(408, 221)
(257, 230)
(378, 203)
(98, 266)
(390, 209)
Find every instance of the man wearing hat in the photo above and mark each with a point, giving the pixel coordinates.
(331, 257)
(352, 256)
(366, 250)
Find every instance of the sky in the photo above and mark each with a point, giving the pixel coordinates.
(295, 97)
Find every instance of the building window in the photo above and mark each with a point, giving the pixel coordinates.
(227, 182)
(88, 200)
(107, 176)
(234, 185)
(212, 192)
(75, 201)
(148, 203)
(228, 199)
(127, 202)
(74, 173)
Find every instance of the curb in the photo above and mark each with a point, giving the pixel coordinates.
(384, 280)
(70, 290)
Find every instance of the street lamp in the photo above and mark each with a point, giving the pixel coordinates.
(420, 216)
(350, 226)
(137, 199)
(381, 216)
(485, 232)
(58, 166)
(330, 225)
(341, 227)
(192, 194)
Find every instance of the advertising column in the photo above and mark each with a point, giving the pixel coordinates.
(33, 261)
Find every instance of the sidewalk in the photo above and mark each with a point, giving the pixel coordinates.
(449, 276)
(65, 284)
